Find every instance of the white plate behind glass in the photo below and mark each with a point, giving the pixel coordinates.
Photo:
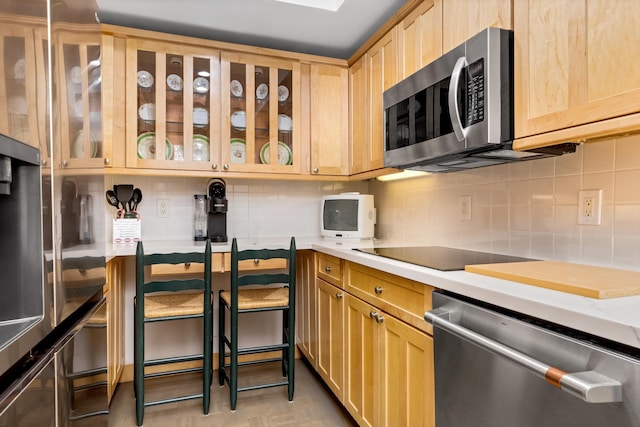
(238, 150)
(145, 79)
(200, 148)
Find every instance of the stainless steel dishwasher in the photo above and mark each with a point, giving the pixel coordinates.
(498, 368)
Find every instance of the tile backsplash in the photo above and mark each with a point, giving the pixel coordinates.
(527, 209)
(256, 208)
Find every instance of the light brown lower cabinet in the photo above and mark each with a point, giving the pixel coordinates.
(115, 322)
(330, 336)
(369, 347)
(389, 369)
(306, 294)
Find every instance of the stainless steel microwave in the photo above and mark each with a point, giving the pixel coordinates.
(457, 112)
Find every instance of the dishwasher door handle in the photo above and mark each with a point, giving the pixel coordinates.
(589, 386)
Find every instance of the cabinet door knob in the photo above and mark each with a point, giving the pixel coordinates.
(327, 269)
(379, 318)
(214, 166)
(107, 161)
(65, 163)
(378, 289)
(256, 261)
(316, 170)
(225, 167)
(339, 295)
(373, 314)
(44, 162)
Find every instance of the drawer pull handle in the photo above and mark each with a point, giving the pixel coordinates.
(378, 289)
(327, 269)
(339, 295)
(256, 261)
(187, 264)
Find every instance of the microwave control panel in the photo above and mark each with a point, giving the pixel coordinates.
(475, 92)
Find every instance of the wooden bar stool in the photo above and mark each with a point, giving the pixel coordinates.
(238, 301)
(172, 299)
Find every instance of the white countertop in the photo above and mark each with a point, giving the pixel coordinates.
(616, 319)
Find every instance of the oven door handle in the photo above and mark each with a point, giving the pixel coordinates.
(589, 386)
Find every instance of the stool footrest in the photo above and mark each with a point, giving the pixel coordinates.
(261, 349)
(163, 361)
(256, 362)
(172, 372)
(172, 400)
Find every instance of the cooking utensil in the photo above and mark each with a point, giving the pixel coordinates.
(136, 198)
(124, 192)
(112, 199)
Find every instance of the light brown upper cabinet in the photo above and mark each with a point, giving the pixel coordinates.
(78, 66)
(370, 76)
(329, 120)
(576, 70)
(173, 105)
(420, 37)
(23, 73)
(463, 19)
(261, 117)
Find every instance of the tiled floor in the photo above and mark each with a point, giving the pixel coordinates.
(313, 403)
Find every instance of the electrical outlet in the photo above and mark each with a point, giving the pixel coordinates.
(589, 207)
(465, 208)
(163, 208)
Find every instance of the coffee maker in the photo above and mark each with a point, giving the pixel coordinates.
(217, 217)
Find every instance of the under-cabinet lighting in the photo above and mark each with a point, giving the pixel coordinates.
(402, 175)
(332, 5)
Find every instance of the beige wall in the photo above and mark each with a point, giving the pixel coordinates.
(528, 209)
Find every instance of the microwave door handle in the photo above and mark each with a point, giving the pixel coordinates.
(454, 114)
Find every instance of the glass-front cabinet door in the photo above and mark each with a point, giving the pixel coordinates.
(260, 114)
(18, 87)
(173, 97)
(79, 80)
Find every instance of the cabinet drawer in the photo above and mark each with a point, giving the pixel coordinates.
(217, 266)
(259, 264)
(400, 297)
(330, 269)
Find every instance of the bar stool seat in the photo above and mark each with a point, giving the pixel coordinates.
(258, 298)
(168, 305)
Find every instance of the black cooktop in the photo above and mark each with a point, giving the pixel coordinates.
(441, 258)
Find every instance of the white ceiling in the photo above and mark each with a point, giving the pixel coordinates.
(265, 23)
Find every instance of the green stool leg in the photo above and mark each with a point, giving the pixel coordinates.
(221, 345)
(139, 365)
(234, 358)
(207, 362)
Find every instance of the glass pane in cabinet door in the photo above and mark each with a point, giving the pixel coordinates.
(285, 117)
(201, 110)
(262, 116)
(93, 76)
(16, 122)
(83, 103)
(238, 113)
(146, 147)
(175, 107)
